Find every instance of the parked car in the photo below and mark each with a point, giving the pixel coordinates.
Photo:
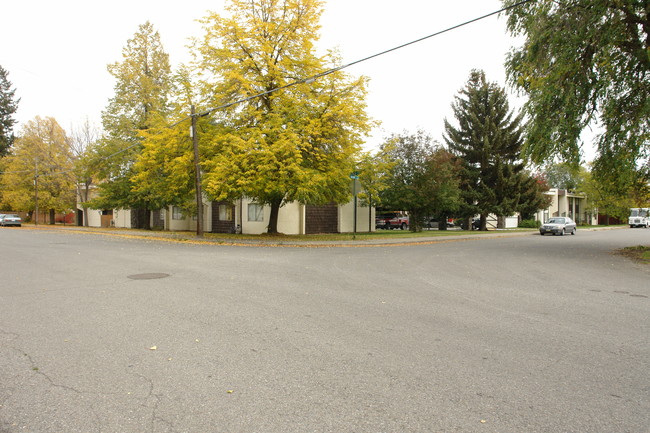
(558, 226)
(392, 220)
(10, 220)
(433, 223)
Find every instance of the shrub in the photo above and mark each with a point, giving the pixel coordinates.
(530, 224)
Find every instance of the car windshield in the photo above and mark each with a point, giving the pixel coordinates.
(556, 221)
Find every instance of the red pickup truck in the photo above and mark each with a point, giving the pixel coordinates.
(392, 220)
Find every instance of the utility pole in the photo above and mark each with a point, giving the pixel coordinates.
(36, 194)
(355, 178)
(197, 176)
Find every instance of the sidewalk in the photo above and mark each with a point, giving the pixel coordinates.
(190, 237)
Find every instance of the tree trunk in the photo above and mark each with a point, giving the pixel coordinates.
(52, 216)
(273, 218)
(141, 219)
(369, 213)
(147, 219)
(85, 200)
(442, 223)
(483, 222)
(466, 223)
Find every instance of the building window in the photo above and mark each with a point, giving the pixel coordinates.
(255, 212)
(177, 213)
(225, 212)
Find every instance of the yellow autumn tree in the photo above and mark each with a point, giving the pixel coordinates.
(39, 170)
(288, 138)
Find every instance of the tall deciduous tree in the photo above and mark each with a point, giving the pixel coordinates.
(373, 171)
(615, 195)
(423, 180)
(164, 170)
(564, 175)
(296, 144)
(488, 141)
(604, 194)
(584, 61)
(39, 169)
(83, 141)
(141, 94)
(8, 107)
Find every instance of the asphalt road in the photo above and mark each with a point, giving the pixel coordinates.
(501, 335)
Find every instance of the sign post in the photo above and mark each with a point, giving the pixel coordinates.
(355, 178)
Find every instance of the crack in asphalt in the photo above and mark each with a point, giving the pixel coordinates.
(34, 368)
(151, 400)
(157, 399)
(38, 371)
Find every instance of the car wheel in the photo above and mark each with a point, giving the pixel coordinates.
(562, 232)
(403, 226)
(573, 232)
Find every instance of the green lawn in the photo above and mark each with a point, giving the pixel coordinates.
(379, 234)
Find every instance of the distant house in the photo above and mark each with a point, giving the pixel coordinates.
(568, 204)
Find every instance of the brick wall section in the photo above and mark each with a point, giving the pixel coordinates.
(219, 226)
(321, 219)
(158, 221)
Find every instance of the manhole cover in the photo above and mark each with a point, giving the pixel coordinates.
(149, 276)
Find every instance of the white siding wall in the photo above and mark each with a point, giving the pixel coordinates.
(346, 218)
(177, 224)
(290, 218)
(94, 218)
(512, 222)
(122, 218)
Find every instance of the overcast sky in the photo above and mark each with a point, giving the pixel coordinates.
(56, 52)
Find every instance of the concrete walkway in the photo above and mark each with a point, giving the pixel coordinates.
(190, 237)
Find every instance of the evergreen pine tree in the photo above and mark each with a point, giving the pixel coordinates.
(8, 106)
(488, 141)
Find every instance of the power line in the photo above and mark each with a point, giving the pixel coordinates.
(347, 65)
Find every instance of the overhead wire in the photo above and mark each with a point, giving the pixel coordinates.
(347, 65)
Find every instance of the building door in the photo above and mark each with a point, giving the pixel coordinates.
(107, 218)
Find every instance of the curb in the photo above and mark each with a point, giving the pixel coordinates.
(189, 238)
